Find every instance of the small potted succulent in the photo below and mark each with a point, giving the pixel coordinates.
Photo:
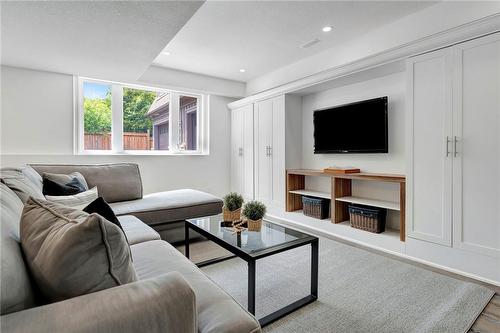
(232, 207)
(254, 211)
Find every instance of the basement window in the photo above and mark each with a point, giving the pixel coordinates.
(117, 118)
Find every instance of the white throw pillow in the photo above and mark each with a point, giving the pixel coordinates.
(78, 201)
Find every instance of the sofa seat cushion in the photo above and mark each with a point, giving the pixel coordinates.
(136, 230)
(169, 206)
(217, 311)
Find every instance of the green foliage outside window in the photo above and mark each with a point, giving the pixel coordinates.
(97, 114)
(136, 103)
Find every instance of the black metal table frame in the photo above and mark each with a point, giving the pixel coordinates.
(251, 260)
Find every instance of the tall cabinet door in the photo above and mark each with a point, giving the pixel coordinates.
(237, 150)
(248, 153)
(476, 183)
(429, 130)
(242, 171)
(263, 150)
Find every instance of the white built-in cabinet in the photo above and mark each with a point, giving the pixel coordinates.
(242, 130)
(270, 150)
(276, 131)
(453, 180)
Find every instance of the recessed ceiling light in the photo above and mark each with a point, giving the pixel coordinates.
(243, 70)
(327, 28)
(166, 53)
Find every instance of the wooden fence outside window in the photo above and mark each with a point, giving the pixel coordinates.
(131, 141)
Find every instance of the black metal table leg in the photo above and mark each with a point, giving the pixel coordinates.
(186, 239)
(251, 286)
(314, 267)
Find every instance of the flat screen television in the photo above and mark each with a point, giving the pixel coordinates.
(359, 127)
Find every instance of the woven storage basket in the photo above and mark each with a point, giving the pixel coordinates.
(316, 207)
(370, 219)
(254, 225)
(231, 215)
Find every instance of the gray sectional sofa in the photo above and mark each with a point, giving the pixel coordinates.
(172, 294)
(120, 185)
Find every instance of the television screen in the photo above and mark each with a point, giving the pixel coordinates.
(359, 127)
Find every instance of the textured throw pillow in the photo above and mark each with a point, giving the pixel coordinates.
(71, 253)
(51, 187)
(101, 207)
(78, 201)
(20, 183)
(64, 179)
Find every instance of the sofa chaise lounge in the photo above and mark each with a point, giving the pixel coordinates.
(172, 294)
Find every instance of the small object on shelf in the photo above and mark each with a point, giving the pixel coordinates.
(254, 211)
(231, 211)
(316, 207)
(367, 218)
(336, 170)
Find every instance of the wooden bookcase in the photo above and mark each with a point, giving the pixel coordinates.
(341, 193)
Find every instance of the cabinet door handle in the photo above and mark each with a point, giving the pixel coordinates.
(270, 151)
(240, 151)
(455, 152)
(448, 141)
(267, 150)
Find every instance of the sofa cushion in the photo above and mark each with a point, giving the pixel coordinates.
(177, 205)
(62, 178)
(217, 311)
(21, 183)
(78, 201)
(72, 187)
(136, 230)
(116, 181)
(101, 207)
(16, 290)
(71, 253)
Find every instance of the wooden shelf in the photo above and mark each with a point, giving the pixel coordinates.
(311, 193)
(341, 193)
(371, 202)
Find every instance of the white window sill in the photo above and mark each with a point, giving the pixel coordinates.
(141, 153)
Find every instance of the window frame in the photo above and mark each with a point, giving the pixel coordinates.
(202, 135)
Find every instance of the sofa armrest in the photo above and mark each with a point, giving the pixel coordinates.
(162, 304)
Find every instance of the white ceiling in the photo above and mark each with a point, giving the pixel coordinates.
(111, 40)
(260, 36)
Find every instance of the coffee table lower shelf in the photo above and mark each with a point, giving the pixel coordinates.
(251, 261)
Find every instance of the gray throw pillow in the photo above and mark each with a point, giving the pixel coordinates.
(64, 179)
(19, 182)
(71, 253)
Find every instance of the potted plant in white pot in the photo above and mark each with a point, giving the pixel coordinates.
(254, 211)
(231, 211)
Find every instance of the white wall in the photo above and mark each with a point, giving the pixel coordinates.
(37, 126)
(392, 86)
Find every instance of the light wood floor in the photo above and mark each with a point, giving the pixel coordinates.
(487, 322)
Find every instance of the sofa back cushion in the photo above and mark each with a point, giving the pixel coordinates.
(115, 182)
(16, 290)
(25, 182)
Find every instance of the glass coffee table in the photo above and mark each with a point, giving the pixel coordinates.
(253, 245)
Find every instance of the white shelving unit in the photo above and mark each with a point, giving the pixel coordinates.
(312, 193)
(371, 202)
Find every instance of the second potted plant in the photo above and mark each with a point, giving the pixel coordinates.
(231, 210)
(254, 211)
